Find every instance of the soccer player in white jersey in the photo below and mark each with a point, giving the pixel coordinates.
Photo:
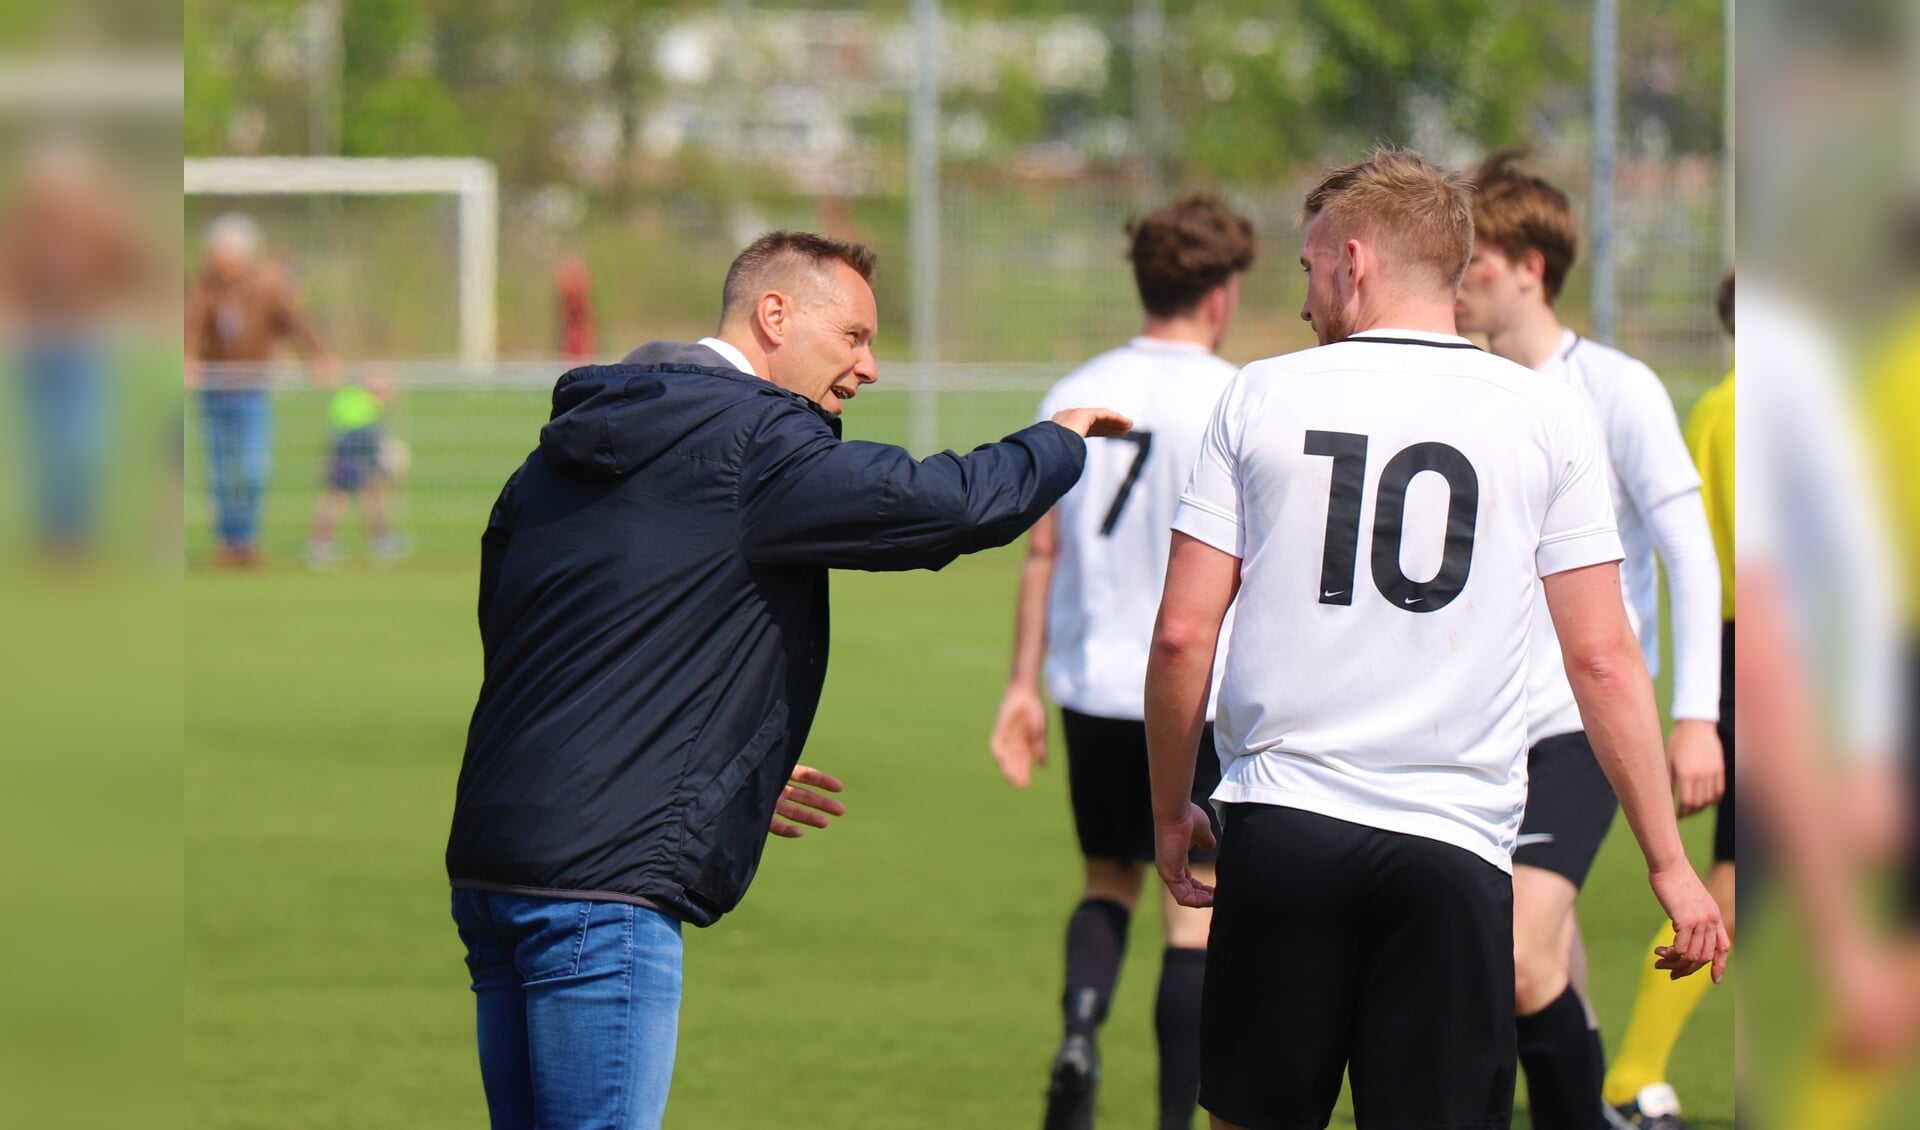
(1525, 237)
(1384, 509)
(1092, 580)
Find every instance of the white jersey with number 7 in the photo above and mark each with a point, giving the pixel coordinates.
(1116, 523)
(1394, 499)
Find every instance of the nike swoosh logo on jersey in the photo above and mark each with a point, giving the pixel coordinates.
(1413, 600)
(1533, 838)
(1324, 595)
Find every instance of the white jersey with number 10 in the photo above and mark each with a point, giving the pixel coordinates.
(1116, 523)
(1394, 499)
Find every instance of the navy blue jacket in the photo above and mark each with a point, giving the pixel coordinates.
(653, 610)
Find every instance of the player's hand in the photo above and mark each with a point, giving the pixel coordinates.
(1019, 739)
(1171, 843)
(1699, 937)
(1093, 422)
(800, 806)
(1698, 764)
(1876, 1019)
(1872, 799)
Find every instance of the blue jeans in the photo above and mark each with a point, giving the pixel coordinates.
(239, 427)
(577, 1007)
(66, 385)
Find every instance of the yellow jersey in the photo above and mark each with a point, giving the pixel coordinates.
(1710, 439)
(1892, 414)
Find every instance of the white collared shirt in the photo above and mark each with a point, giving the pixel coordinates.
(733, 356)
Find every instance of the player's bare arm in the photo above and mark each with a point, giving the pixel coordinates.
(1019, 740)
(1615, 694)
(1201, 583)
(1794, 796)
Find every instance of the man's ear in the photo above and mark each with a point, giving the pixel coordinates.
(1359, 262)
(773, 315)
(1213, 306)
(1533, 265)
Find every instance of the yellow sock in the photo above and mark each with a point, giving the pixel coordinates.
(1660, 1011)
(1836, 1095)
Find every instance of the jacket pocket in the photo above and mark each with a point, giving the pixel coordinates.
(726, 826)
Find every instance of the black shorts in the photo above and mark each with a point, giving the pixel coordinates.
(1338, 947)
(1570, 807)
(1112, 794)
(1723, 833)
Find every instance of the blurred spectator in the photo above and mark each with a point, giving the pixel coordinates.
(574, 286)
(356, 471)
(239, 308)
(1816, 671)
(70, 260)
(1636, 1084)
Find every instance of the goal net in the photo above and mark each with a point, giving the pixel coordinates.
(399, 255)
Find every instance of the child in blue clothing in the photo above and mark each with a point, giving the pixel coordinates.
(360, 462)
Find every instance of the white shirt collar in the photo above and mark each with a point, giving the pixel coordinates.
(1167, 345)
(1410, 335)
(731, 355)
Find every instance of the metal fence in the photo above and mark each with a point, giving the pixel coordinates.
(652, 143)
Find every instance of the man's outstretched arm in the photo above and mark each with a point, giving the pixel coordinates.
(809, 499)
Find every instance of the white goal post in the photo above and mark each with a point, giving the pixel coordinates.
(471, 179)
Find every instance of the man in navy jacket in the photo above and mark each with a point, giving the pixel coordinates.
(653, 610)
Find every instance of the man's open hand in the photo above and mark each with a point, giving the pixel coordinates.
(799, 805)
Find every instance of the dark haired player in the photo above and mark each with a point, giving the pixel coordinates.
(1093, 575)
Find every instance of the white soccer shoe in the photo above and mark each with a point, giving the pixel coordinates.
(1656, 1107)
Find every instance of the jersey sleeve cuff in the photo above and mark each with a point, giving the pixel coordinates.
(1204, 523)
(1695, 699)
(1578, 550)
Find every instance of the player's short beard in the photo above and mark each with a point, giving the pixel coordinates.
(1332, 326)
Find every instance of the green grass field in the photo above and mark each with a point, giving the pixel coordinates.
(898, 970)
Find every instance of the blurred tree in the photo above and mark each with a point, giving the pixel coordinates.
(1672, 66)
(1252, 89)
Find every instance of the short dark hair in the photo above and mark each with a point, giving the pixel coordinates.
(1518, 212)
(771, 257)
(1723, 300)
(1182, 250)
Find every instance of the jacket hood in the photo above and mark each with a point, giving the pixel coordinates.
(609, 420)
